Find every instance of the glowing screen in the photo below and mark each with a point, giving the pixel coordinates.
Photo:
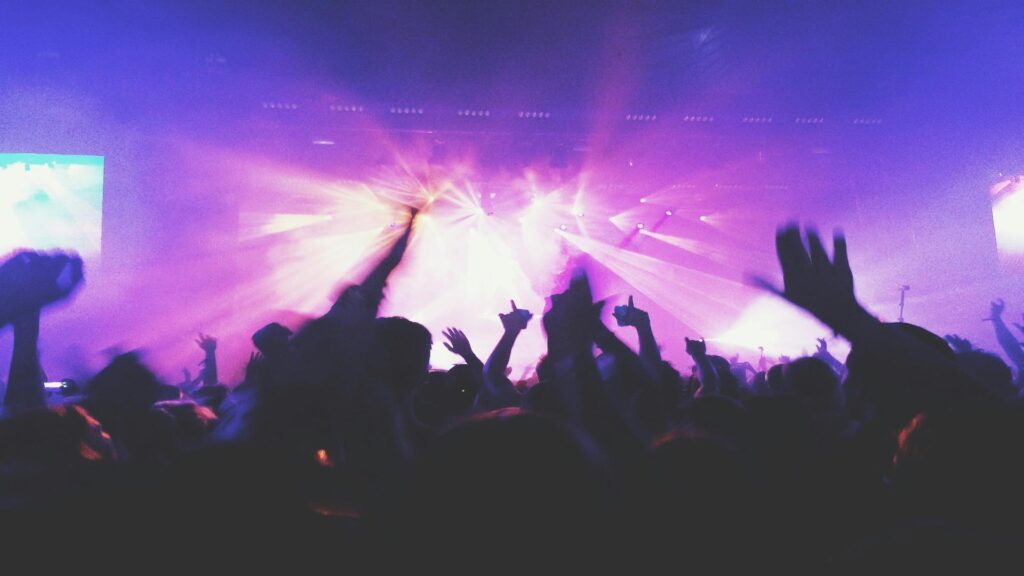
(51, 201)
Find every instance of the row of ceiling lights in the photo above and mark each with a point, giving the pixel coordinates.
(533, 114)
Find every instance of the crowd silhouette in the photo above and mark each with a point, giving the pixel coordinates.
(342, 449)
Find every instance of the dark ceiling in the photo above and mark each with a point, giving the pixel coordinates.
(933, 59)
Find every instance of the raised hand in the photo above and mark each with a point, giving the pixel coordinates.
(813, 282)
(960, 345)
(630, 315)
(358, 303)
(457, 342)
(996, 311)
(822, 346)
(189, 384)
(31, 280)
(573, 318)
(516, 320)
(498, 391)
(696, 348)
(821, 286)
(207, 343)
(253, 367)
(1007, 341)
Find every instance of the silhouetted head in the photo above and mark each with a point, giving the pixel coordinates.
(728, 385)
(814, 383)
(462, 385)
(429, 400)
(121, 397)
(401, 350)
(272, 339)
(759, 384)
(443, 397)
(124, 390)
(886, 384)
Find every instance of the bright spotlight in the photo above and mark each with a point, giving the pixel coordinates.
(1007, 211)
(703, 218)
(643, 200)
(563, 227)
(668, 212)
(640, 226)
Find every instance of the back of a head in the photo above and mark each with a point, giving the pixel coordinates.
(125, 389)
(462, 384)
(428, 400)
(401, 351)
(890, 386)
(272, 339)
(814, 382)
(728, 384)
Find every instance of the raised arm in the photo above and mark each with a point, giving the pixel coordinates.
(572, 324)
(650, 354)
(374, 282)
(459, 345)
(1007, 341)
(25, 379)
(28, 282)
(498, 390)
(824, 288)
(823, 354)
(208, 345)
(709, 380)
